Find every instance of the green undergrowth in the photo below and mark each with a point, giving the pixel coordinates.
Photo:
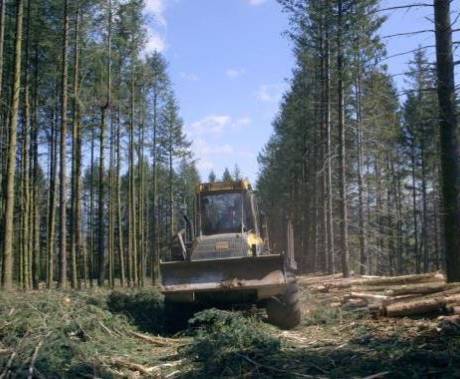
(83, 334)
(144, 307)
(72, 334)
(226, 344)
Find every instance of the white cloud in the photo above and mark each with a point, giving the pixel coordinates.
(154, 13)
(234, 73)
(210, 124)
(205, 149)
(189, 76)
(155, 42)
(256, 2)
(270, 93)
(156, 9)
(216, 124)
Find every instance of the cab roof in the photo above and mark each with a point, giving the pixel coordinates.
(239, 185)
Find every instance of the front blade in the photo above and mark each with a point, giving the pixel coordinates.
(223, 274)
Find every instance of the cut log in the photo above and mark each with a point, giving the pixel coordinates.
(404, 279)
(355, 303)
(319, 288)
(414, 307)
(422, 288)
(368, 296)
(386, 280)
(420, 306)
(398, 299)
(453, 289)
(453, 309)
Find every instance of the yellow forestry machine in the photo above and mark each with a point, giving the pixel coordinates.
(223, 257)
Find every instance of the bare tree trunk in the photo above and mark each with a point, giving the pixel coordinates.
(2, 40)
(100, 206)
(450, 155)
(330, 205)
(26, 199)
(7, 267)
(155, 237)
(75, 228)
(342, 147)
(91, 210)
(107, 106)
(62, 170)
(361, 224)
(132, 232)
(414, 207)
(424, 210)
(121, 249)
(36, 214)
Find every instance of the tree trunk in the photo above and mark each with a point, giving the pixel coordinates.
(121, 249)
(52, 204)
(7, 267)
(62, 170)
(330, 200)
(100, 206)
(450, 155)
(76, 161)
(342, 146)
(26, 199)
(2, 40)
(155, 237)
(414, 206)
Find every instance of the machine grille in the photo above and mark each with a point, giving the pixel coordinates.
(220, 246)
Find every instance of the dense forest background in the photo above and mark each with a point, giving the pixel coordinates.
(353, 162)
(96, 170)
(91, 134)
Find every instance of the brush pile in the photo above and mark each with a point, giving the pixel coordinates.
(54, 334)
(397, 296)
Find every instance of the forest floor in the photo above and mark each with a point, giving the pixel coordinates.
(104, 334)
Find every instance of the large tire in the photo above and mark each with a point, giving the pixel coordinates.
(284, 311)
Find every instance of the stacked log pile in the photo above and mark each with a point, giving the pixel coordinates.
(397, 296)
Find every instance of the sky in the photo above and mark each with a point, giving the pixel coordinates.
(230, 64)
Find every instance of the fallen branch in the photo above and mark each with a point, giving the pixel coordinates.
(160, 341)
(33, 360)
(148, 371)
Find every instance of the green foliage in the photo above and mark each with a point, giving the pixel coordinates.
(145, 308)
(224, 340)
(76, 332)
(226, 176)
(212, 177)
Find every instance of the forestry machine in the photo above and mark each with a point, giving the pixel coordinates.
(223, 257)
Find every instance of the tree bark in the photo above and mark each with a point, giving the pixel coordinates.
(63, 156)
(330, 206)
(76, 160)
(342, 146)
(7, 267)
(450, 155)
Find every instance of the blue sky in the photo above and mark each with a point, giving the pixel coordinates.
(229, 63)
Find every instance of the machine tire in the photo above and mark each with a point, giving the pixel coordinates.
(284, 311)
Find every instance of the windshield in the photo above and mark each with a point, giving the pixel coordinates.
(221, 213)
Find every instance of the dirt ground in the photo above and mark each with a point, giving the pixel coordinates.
(333, 342)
